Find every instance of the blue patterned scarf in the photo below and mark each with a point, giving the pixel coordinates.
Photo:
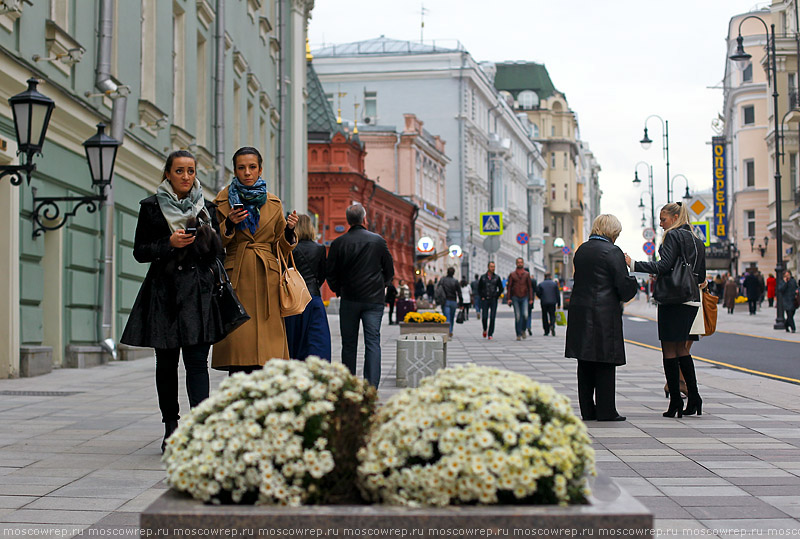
(253, 197)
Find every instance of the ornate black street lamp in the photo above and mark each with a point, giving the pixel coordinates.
(687, 196)
(31, 111)
(742, 56)
(101, 153)
(646, 143)
(636, 182)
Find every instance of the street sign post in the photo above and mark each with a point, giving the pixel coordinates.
(522, 238)
(491, 223)
(700, 229)
(649, 248)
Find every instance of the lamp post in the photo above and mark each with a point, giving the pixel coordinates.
(687, 196)
(646, 142)
(101, 153)
(636, 182)
(31, 111)
(742, 56)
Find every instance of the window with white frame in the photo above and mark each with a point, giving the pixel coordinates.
(793, 183)
(371, 104)
(553, 160)
(747, 73)
(748, 115)
(749, 166)
(750, 223)
(527, 99)
(566, 160)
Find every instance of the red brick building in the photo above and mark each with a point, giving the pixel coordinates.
(336, 180)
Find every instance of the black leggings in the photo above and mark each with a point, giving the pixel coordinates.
(195, 361)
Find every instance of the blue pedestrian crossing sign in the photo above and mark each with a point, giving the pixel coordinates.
(491, 223)
(700, 229)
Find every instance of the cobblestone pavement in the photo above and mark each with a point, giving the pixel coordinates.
(80, 448)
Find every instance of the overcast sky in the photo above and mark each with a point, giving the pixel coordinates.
(617, 61)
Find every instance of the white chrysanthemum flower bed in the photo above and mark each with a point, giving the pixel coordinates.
(287, 434)
(476, 435)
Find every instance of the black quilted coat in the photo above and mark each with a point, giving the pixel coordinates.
(173, 308)
(594, 328)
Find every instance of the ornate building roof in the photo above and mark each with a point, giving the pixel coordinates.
(385, 46)
(320, 120)
(514, 77)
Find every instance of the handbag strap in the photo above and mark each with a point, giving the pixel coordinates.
(222, 275)
(680, 246)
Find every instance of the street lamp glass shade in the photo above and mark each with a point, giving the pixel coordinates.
(766, 241)
(741, 55)
(687, 196)
(636, 177)
(32, 112)
(641, 203)
(101, 153)
(646, 142)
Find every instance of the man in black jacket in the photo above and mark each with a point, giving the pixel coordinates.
(451, 296)
(489, 289)
(359, 269)
(549, 295)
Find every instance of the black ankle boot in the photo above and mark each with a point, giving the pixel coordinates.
(694, 405)
(169, 428)
(672, 372)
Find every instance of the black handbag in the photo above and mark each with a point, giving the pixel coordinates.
(679, 285)
(460, 317)
(229, 310)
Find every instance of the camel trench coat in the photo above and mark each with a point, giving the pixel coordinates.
(253, 268)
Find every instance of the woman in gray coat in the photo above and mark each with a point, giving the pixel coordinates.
(594, 331)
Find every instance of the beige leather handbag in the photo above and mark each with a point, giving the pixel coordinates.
(294, 294)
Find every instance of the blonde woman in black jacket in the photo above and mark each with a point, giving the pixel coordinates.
(675, 321)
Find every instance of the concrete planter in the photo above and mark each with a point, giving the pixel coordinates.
(406, 328)
(610, 512)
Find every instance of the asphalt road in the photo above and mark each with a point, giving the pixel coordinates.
(774, 358)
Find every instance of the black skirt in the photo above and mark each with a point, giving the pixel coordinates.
(675, 322)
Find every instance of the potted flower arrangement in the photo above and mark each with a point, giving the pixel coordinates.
(416, 322)
(286, 434)
(476, 435)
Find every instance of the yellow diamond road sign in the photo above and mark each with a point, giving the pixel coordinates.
(698, 207)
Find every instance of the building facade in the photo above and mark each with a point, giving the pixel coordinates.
(493, 160)
(412, 163)
(571, 188)
(189, 74)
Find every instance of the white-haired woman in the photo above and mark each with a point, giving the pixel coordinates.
(675, 321)
(594, 331)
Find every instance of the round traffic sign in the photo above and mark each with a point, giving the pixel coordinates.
(491, 244)
(648, 234)
(565, 250)
(522, 238)
(649, 248)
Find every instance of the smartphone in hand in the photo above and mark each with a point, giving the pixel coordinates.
(192, 231)
(237, 207)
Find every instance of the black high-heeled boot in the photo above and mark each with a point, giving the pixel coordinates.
(694, 404)
(672, 372)
(169, 428)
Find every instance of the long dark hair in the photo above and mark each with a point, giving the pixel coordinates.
(247, 150)
(171, 157)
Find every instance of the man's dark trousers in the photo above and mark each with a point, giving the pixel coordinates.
(549, 318)
(369, 314)
(488, 306)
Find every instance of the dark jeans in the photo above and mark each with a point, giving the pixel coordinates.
(449, 310)
(752, 304)
(596, 383)
(530, 315)
(789, 317)
(771, 301)
(488, 305)
(351, 313)
(308, 334)
(391, 312)
(195, 361)
(549, 317)
(520, 314)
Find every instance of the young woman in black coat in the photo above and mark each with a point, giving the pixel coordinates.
(675, 321)
(178, 235)
(308, 334)
(594, 331)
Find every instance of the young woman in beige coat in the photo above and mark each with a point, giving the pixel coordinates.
(253, 228)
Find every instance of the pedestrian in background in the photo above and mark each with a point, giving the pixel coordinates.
(466, 297)
(171, 313)
(253, 229)
(451, 294)
(675, 321)
(534, 284)
(489, 289)
(359, 269)
(730, 293)
(594, 332)
(391, 297)
(771, 286)
(419, 289)
(752, 290)
(549, 298)
(787, 290)
(430, 290)
(762, 288)
(403, 292)
(308, 334)
(520, 296)
(476, 297)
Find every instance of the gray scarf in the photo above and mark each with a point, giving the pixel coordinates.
(177, 211)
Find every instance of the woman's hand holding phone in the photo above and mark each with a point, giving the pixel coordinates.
(180, 239)
(237, 214)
